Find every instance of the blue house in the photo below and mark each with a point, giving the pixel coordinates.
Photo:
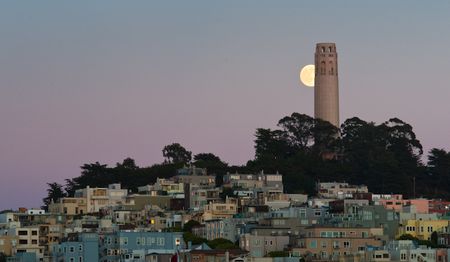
(135, 245)
(83, 248)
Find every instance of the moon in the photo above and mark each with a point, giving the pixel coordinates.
(307, 75)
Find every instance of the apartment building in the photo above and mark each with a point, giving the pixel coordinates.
(329, 243)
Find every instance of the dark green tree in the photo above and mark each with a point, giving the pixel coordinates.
(221, 243)
(438, 172)
(195, 240)
(3, 257)
(189, 225)
(175, 153)
(55, 191)
(213, 164)
(278, 254)
(298, 130)
(127, 163)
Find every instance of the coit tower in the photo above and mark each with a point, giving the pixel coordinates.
(326, 87)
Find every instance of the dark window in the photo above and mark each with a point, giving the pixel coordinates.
(23, 232)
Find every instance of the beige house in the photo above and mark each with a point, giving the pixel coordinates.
(99, 198)
(7, 243)
(27, 240)
(330, 243)
(337, 190)
(260, 246)
(218, 210)
(69, 206)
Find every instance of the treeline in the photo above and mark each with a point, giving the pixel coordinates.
(385, 157)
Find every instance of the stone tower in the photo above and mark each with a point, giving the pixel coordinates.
(326, 87)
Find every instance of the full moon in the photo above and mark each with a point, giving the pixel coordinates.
(307, 75)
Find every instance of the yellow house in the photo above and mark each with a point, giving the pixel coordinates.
(422, 229)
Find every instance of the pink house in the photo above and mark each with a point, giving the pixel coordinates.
(397, 204)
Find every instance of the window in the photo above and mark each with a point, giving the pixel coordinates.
(335, 244)
(346, 244)
(322, 72)
(23, 242)
(123, 240)
(23, 232)
(80, 248)
(72, 249)
(34, 233)
(160, 241)
(34, 241)
(80, 259)
(313, 244)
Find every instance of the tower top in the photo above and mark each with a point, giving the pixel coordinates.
(325, 48)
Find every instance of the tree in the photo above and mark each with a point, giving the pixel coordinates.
(54, 192)
(195, 240)
(213, 164)
(3, 257)
(221, 243)
(299, 130)
(175, 153)
(70, 187)
(278, 254)
(189, 225)
(434, 239)
(326, 137)
(128, 163)
(439, 171)
(407, 237)
(271, 145)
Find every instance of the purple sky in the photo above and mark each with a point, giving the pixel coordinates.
(82, 82)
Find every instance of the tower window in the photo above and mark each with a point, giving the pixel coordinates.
(330, 49)
(323, 49)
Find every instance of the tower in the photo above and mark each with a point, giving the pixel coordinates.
(326, 87)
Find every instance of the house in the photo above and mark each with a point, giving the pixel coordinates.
(261, 245)
(131, 245)
(329, 243)
(79, 248)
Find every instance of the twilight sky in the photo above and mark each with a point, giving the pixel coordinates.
(86, 81)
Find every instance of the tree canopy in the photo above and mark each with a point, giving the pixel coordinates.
(386, 157)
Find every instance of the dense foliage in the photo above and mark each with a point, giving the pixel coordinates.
(386, 157)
